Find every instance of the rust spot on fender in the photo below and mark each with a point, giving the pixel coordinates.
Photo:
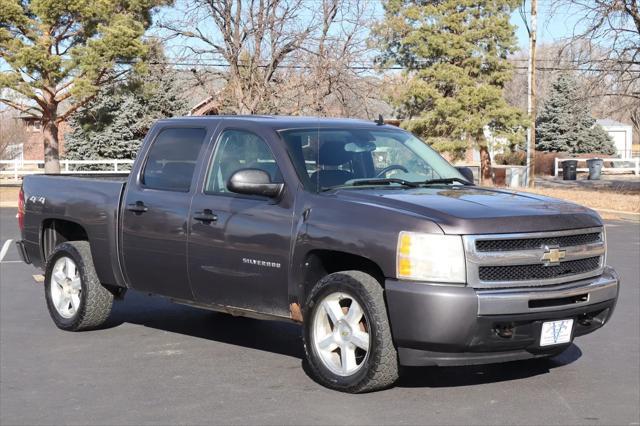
(296, 312)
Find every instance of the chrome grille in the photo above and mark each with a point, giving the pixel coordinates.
(538, 272)
(519, 260)
(536, 243)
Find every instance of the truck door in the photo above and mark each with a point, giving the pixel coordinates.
(155, 213)
(239, 245)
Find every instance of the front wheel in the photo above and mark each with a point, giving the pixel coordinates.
(347, 335)
(75, 297)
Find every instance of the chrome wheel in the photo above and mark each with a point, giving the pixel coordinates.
(65, 287)
(341, 334)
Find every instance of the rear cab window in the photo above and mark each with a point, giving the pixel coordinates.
(172, 159)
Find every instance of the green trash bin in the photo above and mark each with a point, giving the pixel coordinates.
(595, 168)
(569, 169)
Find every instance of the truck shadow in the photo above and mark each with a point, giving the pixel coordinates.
(159, 313)
(286, 339)
(440, 377)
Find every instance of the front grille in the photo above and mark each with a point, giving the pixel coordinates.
(538, 271)
(536, 243)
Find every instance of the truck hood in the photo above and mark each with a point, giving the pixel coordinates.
(477, 210)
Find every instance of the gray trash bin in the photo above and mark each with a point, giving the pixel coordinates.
(569, 169)
(595, 168)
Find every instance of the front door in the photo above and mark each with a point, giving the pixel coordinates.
(156, 211)
(239, 245)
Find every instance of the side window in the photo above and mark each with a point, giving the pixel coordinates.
(172, 159)
(236, 150)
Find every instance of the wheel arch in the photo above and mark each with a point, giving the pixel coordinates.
(319, 263)
(55, 231)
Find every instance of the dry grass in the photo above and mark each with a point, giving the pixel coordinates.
(9, 196)
(624, 201)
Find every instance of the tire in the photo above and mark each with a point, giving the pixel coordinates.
(89, 303)
(325, 339)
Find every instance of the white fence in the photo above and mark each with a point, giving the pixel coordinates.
(18, 168)
(624, 168)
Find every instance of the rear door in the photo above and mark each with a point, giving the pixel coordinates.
(156, 209)
(240, 256)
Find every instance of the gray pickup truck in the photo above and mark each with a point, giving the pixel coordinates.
(386, 253)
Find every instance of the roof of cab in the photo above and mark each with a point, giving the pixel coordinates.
(279, 122)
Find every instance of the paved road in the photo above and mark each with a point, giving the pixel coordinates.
(166, 364)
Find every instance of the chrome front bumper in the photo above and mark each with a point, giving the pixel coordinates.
(545, 299)
(438, 324)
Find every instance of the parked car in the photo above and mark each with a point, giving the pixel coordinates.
(386, 253)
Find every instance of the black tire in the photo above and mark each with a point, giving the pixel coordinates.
(95, 300)
(380, 369)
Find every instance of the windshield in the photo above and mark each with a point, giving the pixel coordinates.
(331, 158)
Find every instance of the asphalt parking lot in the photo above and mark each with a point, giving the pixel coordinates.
(160, 363)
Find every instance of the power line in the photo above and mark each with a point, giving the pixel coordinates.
(372, 67)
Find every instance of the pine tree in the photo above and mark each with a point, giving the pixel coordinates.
(114, 124)
(455, 53)
(60, 52)
(565, 123)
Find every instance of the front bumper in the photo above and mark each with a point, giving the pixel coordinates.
(435, 324)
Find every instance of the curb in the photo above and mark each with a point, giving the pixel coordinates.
(635, 217)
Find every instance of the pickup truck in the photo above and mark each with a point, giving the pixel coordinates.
(383, 251)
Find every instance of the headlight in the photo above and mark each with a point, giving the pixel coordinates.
(430, 257)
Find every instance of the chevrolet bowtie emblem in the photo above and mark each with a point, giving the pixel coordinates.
(552, 256)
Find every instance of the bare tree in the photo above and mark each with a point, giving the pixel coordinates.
(252, 37)
(281, 56)
(608, 38)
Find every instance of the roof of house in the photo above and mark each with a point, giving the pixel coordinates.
(611, 123)
(208, 106)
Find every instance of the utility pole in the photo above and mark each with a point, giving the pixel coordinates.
(531, 98)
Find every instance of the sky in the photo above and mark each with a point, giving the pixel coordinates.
(552, 25)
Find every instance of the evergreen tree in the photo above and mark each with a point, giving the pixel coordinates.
(455, 52)
(61, 52)
(113, 125)
(565, 123)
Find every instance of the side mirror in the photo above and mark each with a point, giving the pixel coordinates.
(467, 173)
(254, 182)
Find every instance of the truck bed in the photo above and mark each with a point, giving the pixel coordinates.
(113, 177)
(93, 201)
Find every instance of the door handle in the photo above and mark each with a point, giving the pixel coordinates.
(138, 207)
(206, 216)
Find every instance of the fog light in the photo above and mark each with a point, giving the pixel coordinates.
(504, 331)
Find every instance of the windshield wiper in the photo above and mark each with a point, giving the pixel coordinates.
(376, 181)
(384, 181)
(445, 181)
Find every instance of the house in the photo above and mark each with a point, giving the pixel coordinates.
(622, 135)
(33, 148)
(208, 106)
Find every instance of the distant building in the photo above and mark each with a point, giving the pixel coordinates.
(622, 135)
(33, 148)
(208, 106)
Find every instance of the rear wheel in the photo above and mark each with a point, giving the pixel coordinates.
(347, 336)
(75, 297)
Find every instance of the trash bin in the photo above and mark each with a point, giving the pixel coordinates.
(569, 169)
(595, 168)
